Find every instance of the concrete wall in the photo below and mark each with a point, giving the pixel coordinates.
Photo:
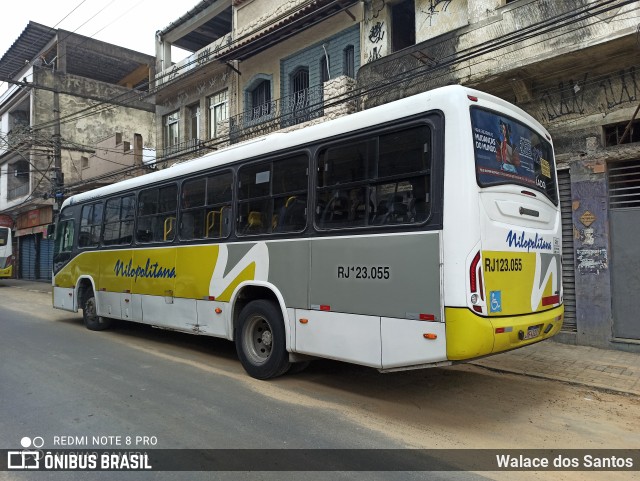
(125, 114)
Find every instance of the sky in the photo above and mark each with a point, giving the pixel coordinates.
(127, 23)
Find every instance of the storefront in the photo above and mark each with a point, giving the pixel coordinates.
(35, 250)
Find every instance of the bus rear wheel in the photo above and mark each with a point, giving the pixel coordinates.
(260, 340)
(92, 320)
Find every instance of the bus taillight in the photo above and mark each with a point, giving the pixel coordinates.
(476, 285)
(473, 273)
(8, 262)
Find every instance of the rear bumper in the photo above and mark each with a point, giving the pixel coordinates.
(7, 272)
(470, 336)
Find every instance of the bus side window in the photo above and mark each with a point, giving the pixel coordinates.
(63, 244)
(119, 213)
(157, 214)
(380, 180)
(272, 196)
(90, 225)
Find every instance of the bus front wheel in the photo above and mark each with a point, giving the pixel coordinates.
(260, 340)
(92, 320)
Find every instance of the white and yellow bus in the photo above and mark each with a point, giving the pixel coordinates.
(419, 233)
(6, 253)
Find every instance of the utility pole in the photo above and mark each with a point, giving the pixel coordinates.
(58, 176)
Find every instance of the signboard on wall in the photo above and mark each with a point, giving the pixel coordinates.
(6, 221)
(35, 217)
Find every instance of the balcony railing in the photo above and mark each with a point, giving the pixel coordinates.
(181, 148)
(262, 119)
(277, 114)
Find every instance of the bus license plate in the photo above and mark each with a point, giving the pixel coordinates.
(532, 331)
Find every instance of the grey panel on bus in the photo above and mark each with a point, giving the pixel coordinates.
(236, 252)
(289, 271)
(392, 276)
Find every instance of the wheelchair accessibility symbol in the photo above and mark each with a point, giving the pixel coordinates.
(495, 301)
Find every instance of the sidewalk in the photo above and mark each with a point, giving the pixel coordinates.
(588, 366)
(33, 286)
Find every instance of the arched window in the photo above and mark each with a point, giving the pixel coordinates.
(261, 99)
(300, 97)
(300, 85)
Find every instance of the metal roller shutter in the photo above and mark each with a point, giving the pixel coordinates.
(568, 261)
(624, 265)
(46, 259)
(28, 257)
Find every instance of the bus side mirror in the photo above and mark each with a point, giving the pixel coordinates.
(51, 229)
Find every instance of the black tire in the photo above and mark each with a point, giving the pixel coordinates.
(260, 340)
(92, 320)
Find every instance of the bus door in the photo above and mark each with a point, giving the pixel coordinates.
(517, 264)
(6, 253)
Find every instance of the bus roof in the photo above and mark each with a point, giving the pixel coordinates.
(279, 141)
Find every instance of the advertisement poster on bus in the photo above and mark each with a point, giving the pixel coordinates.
(508, 152)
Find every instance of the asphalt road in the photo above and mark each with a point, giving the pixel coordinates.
(64, 385)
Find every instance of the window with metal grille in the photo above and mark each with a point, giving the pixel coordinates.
(624, 184)
(300, 82)
(614, 133)
(261, 100)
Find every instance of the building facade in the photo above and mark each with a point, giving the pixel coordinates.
(255, 68)
(66, 93)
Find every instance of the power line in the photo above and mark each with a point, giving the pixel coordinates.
(572, 18)
(137, 96)
(500, 43)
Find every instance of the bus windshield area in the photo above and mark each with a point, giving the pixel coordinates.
(508, 152)
(4, 236)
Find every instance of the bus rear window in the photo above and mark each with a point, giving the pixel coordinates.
(4, 235)
(508, 152)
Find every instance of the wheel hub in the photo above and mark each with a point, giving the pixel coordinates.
(267, 338)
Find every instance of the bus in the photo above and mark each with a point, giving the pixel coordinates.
(420, 233)
(6, 253)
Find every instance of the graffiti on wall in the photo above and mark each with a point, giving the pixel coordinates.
(376, 36)
(567, 99)
(603, 94)
(375, 9)
(434, 8)
(628, 84)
